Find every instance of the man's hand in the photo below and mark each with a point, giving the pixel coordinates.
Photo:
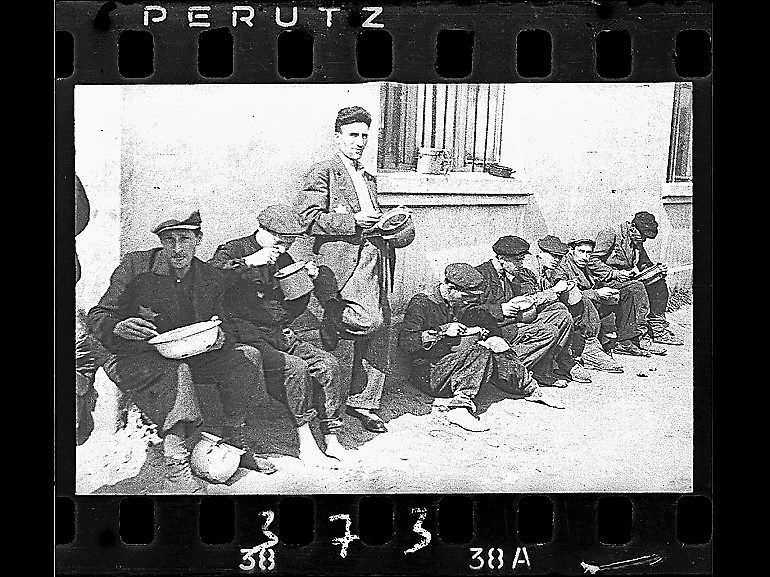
(606, 292)
(135, 329)
(624, 275)
(312, 269)
(263, 256)
(452, 329)
(663, 268)
(495, 344)
(366, 219)
(511, 308)
(560, 286)
(219, 342)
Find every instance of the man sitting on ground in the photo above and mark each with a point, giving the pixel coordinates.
(431, 335)
(619, 257)
(261, 315)
(557, 263)
(542, 340)
(157, 290)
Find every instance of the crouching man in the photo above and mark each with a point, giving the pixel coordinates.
(304, 377)
(430, 334)
(157, 290)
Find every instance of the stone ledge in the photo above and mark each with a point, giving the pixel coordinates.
(676, 192)
(453, 189)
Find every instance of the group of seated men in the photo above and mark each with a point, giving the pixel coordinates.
(518, 348)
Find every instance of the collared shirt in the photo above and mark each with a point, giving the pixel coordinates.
(357, 176)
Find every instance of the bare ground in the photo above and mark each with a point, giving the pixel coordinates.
(621, 433)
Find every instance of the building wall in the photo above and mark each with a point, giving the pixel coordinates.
(585, 156)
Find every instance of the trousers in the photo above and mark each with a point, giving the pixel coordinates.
(307, 380)
(631, 311)
(164, 389)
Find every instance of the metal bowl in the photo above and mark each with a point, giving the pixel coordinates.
(187, 341)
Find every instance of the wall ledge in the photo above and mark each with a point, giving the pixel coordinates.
(453, 189)
(676, 193)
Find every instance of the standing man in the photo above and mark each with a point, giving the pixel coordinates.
(552, 259)
(338, 203)
(542, 342)
(296, 372)
(619, 256)
(157, 290)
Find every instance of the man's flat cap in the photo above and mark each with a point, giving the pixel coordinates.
(553, 244)
(582, 239)
(464, 277)
(646, 224)
(511, 246)
(281, 219)
(192, 222)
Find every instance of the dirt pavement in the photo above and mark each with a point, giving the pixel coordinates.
(620, 433)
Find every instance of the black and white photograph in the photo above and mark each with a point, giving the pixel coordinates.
(381, 288)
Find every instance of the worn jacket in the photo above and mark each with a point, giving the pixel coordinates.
(141, 286)
(615, 250)
(498, 290)
(328, 202)
(568, 269)
(254, 304)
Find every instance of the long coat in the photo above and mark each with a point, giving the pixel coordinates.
(327, 203)
(615, 250)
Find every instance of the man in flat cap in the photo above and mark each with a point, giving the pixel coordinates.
(338, 203)
(430, 334)
(158, 290)
(619, 256)
(540, 335)
(559, 261)
(261, 316)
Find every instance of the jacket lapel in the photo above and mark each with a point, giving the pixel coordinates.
(344, 183)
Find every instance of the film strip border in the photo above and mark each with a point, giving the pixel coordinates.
(426, 534)
(114, 42)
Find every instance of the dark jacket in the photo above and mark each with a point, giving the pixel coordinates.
(142, 286)
(615, 250)
(496, 292)
(254, 304)
(428, 312)
(327, 203)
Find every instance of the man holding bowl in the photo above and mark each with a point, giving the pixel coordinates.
(537, 326)
(155, 291)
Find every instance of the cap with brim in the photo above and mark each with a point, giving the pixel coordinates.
(192, 222)
(578, 240)
(511, 246)
(552, 245)
(464, 277)
(281, 220)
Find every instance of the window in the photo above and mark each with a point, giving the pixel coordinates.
(463, 119)
(680, 149)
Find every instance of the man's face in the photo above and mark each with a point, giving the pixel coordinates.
(511, 264)
(265, 238)
(351, 139)
(547, 260)
(582, 253)
(179, 247)
(456, 296)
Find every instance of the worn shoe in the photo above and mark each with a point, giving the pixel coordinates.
(630, 348)
(551, 380)
(237, 437)
(369, 421)
(538, 396)
(647, 344)
(576, 374)
(667, 338)
(595, 358)
(179, 476)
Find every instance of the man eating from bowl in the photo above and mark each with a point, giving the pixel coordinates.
(158, 290)
(430, 334)
(619, 257)
(559, 262)
(261, 313)
(537, 326)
